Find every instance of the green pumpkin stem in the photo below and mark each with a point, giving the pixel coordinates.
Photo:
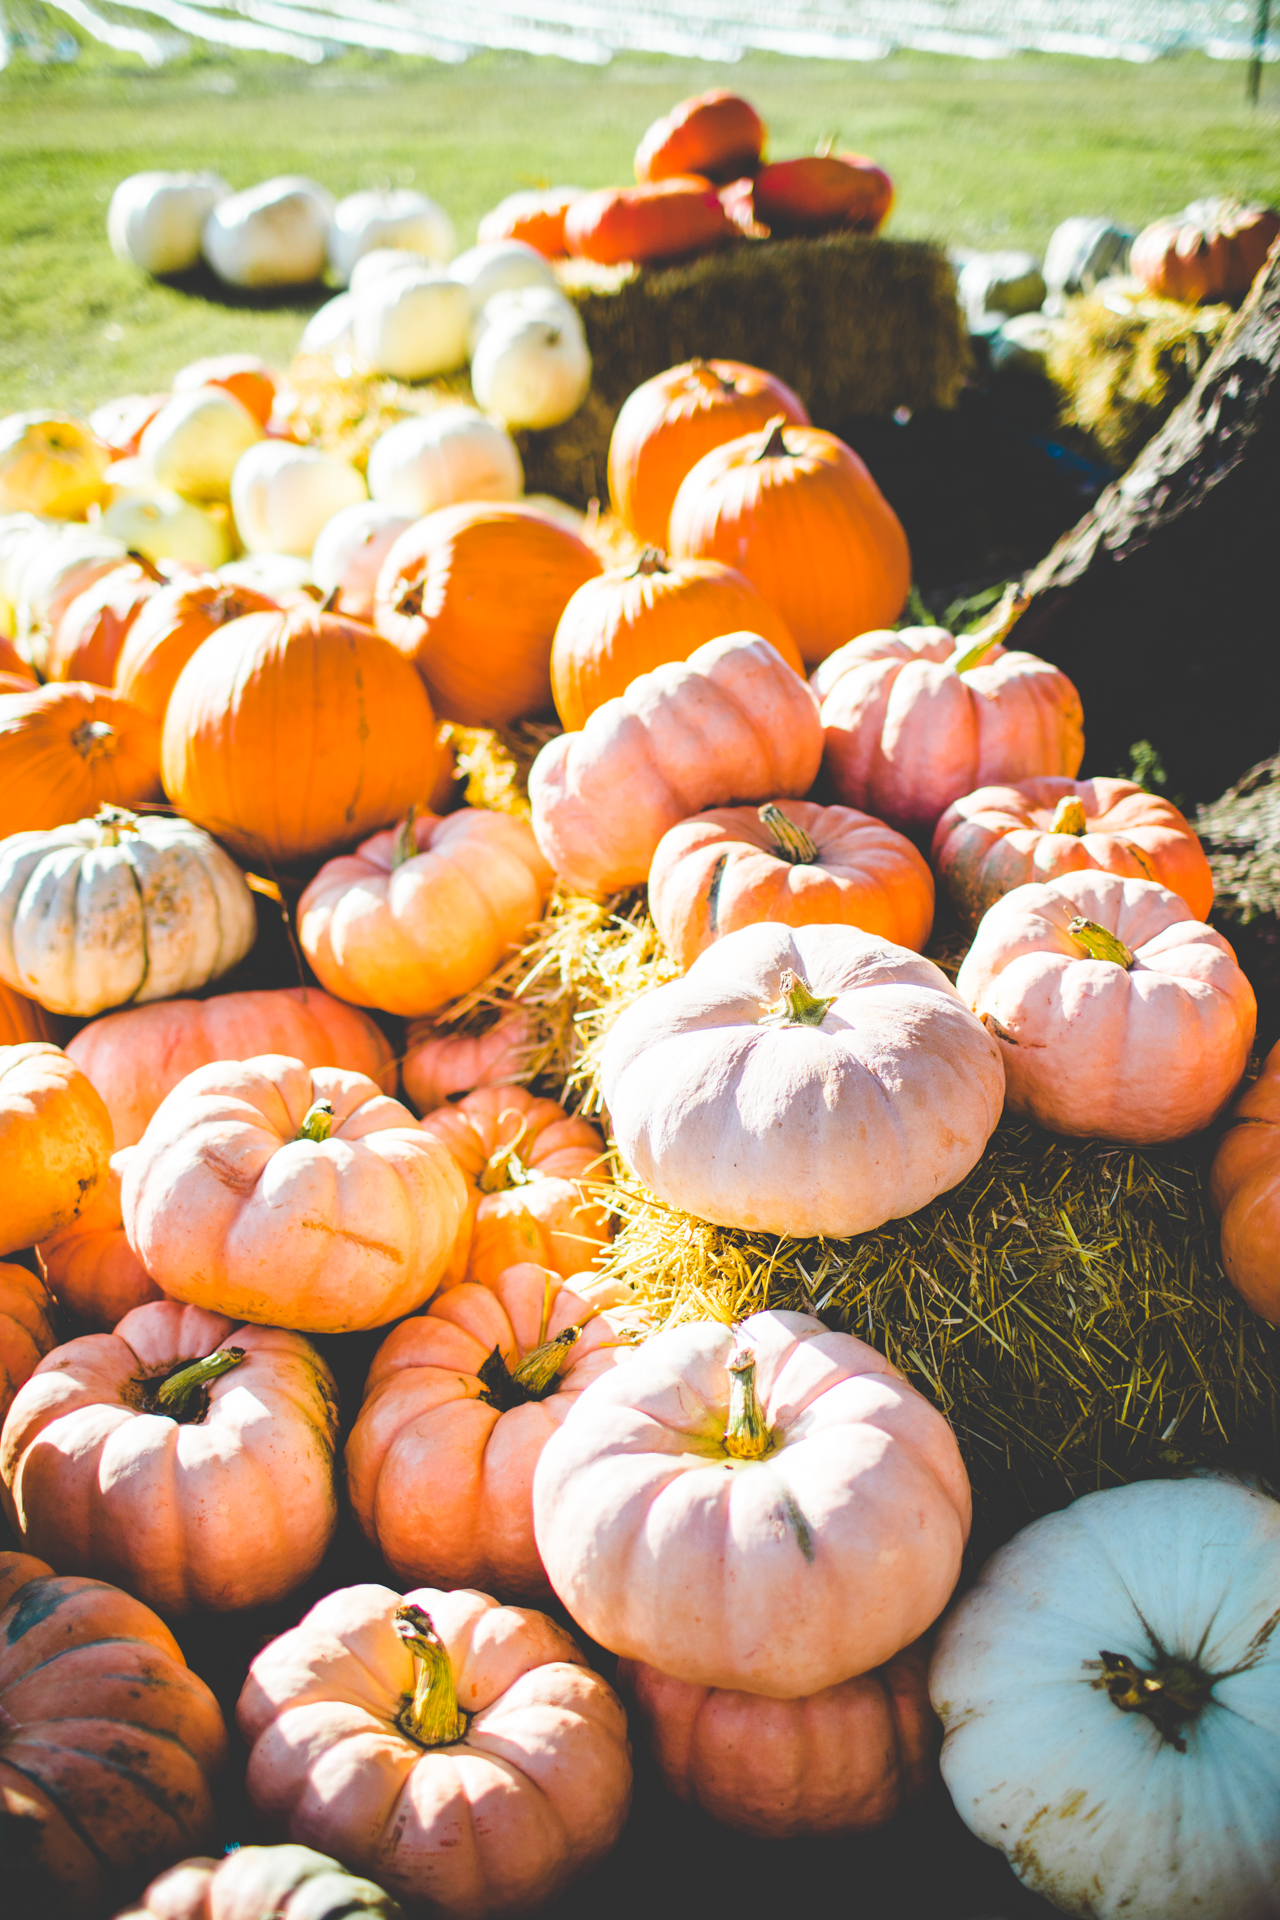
(1173, 1693)
(533, 1378)
(433, 1717)
(746, 1437)
(1099, 943)
(774, 447)
(791, 841)
(111, 822)
(1069, 816)
(317, 1122)
(179, 1395)
(405, 845)
(998, 628)
(797, 1006)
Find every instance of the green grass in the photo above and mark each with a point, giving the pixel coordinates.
(983, 155)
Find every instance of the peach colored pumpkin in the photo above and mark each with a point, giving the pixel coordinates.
(459, 1752)
(66, 749)
(1244, 1187)
(26, 1328)
(767, 1507)
(1119, 1015)
(110, 1743)
(438, 1063)
(802, 1080)
(87, 641)
(262, 1883)
(844, 1760)
(420, 914)
(1003, 837)
(788, 861)
(245, 1196)
(55, 1143)
(90, 1266)
(440, 1461)
(912, 720)
(535, 217)
(797, 511)
(137, 1056)
(176, 620)
(732, 722)
(529, 1168)
(185, 1458)
(252, 381)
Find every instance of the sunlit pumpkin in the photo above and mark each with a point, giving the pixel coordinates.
(820, 193)
(66, 749)
(535, 216)
(169, 627)
(1245, 1189)
(439, 1061)
(55, 1143)
(263, 1883)
(90, 1267)
(1212, 251)
(662, 220)
(717, 134)
(92, 631)
(26, 1329)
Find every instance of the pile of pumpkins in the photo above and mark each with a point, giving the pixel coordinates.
(762, 1521)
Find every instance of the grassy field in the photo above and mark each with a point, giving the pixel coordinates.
(984, 155)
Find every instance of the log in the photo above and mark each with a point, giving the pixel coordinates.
(1240, 833)
(1162, 602)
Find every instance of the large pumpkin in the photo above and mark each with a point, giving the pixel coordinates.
(1211, 251)
(90, 1266)
(788, 861)
(843, 1760)
(733, 722)
(418, 915)
(1002, 837)
(717, 134)
(109, 1747)
(291, 1196)
(458, 1405)
(668, 423)
(185, 1458)
(802, 1080)
(796, 510)
(820, 192)
(55, 1143)
(1119, 1016)
(1245, 1189)
(472, 595)
(170, 626)
(767, 1507)
(135, 1057)
(26, 1328)
(291, 734)
(386, 1730)
(638, 617)
(67, 749)
(87, 641)
(659, 221)
(262, 1883)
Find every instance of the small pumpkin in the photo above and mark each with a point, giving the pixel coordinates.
(788, 861)
(458, 1406)
(90, 1266)
(1244, 1187)
(1211, 251)
(171, 624)
(472, 595)
(67, 749)
(819, 193)
(185, 1458)
(291, 1196)
(110, 1747)
(438, 1062)
(419, 915)
(535, 216)
(262, 1883)
(717, 134)
(382, 1728)
(667, 423)
(796, 510)
(93, 630)
(26, 1328)
(791, 1512)
(732, 722)
(1119, 1016)
(55, 1143)
(1002, 837)
(49, 463)
(844, 1760)
(661, 220)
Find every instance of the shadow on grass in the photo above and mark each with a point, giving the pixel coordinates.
(202, 283)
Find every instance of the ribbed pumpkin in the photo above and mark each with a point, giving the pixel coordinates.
(472, 595)
(1211, 251)
(640, 616)
(821, 192)
(660, 221)
(291, 734)
(14, 667)
(536, 217)
(796, 511)
(669, 422)
(55, 1143)
(90, 1266)
(263, 1883)
(717, 134)
(438, 1061)
(1245, 1189)
(66, 749)
(171, 625)
(89, 636)
(26, 1328)
(109, 1748)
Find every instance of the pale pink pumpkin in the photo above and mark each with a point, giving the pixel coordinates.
(438, 1062)
(90, 1265)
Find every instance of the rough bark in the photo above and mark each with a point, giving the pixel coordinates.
(1240, 834)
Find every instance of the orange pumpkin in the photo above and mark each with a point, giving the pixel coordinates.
(55, 1143)
(293, 733)
(472, 595)
(668, 423)
(67, 749)
(788, 861)
(537, 218)
(438, 1063)
(1244, 1187)
(169, 627)
(90, 634)
(251, 380)
(417, 916)
(22, 1019)
(640, 616)
(821, 192)
(14, 667)
(109, 1748)
(525, 1162)
(121, 423)
(90, 1265)
(796, 511)
(1212, 251)
(458, 1405)
(717, 134)
(26, 1328)
(660, 221)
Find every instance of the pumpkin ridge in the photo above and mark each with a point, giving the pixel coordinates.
(63, 1811)
(176, 1805)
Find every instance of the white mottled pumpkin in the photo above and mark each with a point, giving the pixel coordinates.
(1110, 1691)
(531, 369)
(118, 909)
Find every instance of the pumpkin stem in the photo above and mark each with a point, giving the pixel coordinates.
(1099, 943)
(148, 567)
(406, 840)
(746, 1437)
(111, 822)
(998, 628)
(1069, 817)
(180, 1393)
(330, 602)
(534, 1377)
(774, 446)
(93, 738)
(1174, 1692)
(505, 1168)
(317, 1122)
(797, 1006)
(432, 1717)
(791, 841)
(652, 560)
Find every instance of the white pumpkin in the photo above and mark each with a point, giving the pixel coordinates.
(194, 441)
(544, 303)
(380, 261)
(126, 479)
(1110, 1691)
(1083, 251)
(441, 458)
(16, 533)
(119, 909)
(412, 325)
(274, 574)
(164, 526)
(282, 495)
(395, 218)
(155, 220)
(349, 553)
(52, 566)
(50, 463)
(272, 235)
(532, 371)
(495, 266)
(331, 327)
